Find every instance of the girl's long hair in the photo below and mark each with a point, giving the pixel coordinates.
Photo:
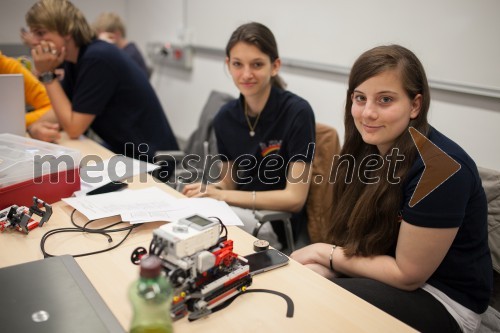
(365, 217)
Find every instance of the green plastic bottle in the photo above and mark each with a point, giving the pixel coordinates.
(151, 298)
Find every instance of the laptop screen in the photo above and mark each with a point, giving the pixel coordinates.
(12, 106)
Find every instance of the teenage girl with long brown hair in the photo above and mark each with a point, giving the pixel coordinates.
(426, 263)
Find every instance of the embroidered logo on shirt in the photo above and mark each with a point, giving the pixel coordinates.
(272, 147)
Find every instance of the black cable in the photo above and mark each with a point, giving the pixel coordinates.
(105, 231)
(159, 251)
(289, 301)
(154, 248)
(223, 227)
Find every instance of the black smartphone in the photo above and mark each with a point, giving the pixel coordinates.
(109, 187)
(266, 260)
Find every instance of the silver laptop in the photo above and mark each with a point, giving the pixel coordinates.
(50, 296)
(12, 108)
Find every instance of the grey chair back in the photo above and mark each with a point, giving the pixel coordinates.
(202, 141)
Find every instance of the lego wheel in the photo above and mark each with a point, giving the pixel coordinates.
(137, 255)
(177, 277)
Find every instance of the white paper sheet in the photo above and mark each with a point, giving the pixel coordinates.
(151, 204)
(117, 168)
(115, 203)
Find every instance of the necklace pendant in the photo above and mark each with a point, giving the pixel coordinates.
(252, 133)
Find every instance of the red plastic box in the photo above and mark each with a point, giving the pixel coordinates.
(26, 171)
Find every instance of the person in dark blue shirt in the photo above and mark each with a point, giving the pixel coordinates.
(422, 258)
(265, 138)
(102, 88)
(110, 28)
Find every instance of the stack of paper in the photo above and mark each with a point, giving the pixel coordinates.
(150, 204)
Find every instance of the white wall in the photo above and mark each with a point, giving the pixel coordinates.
(469, 120)
(443, 33)
(12, 14)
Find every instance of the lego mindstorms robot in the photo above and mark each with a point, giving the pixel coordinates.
(200, 263)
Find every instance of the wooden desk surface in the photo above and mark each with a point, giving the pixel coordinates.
(320, 305)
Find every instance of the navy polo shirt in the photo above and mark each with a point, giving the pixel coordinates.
(105, 82)
(285, 133)
(465, 274)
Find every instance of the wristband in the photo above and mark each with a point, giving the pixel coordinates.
(331, 257)
(47, 77)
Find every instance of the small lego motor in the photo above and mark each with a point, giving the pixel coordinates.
(19, 217)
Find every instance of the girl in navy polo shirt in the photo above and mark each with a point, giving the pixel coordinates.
(415, 247)
(265, 137)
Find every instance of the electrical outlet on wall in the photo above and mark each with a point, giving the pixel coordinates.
(169, 54)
